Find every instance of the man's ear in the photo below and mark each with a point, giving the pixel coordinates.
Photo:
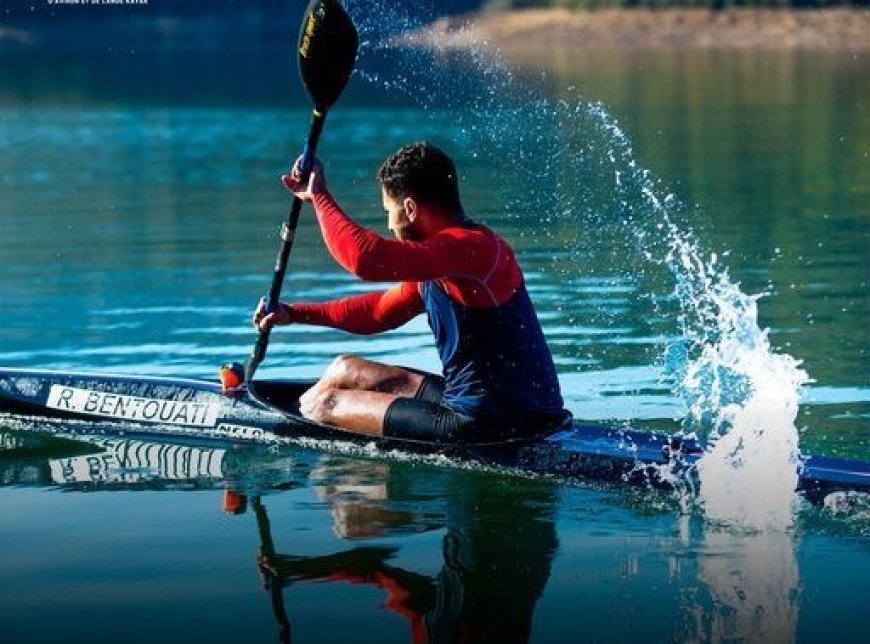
(410, 207)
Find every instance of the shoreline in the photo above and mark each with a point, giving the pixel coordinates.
(530, 30)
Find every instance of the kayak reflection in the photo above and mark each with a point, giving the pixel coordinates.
(457, 555)
(106, 462)
(492, 572)
(496, 550)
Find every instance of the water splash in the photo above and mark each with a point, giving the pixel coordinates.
(741, 396)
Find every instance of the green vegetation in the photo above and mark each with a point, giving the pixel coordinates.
(664, 4)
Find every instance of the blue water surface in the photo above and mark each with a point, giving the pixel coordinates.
(136, 235)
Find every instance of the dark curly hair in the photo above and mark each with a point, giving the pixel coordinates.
(423, 172)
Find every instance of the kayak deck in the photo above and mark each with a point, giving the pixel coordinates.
(268, 408)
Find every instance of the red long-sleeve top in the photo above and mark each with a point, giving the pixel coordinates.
(476, 268)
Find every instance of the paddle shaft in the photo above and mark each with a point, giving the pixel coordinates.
(288, 234)
(271, 580)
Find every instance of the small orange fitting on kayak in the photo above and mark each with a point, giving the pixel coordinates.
(232, 377)
(234, 502)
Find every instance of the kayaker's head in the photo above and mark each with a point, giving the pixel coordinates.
(420, 191)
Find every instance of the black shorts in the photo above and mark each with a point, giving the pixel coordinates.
(426, 418)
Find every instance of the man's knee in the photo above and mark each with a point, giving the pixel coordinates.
(318, 402)
(348, 371)
(343, 365)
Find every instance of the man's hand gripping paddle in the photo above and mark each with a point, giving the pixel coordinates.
(328, 44)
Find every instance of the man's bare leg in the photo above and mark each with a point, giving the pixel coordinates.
(354, 394)
(359, 412)
(353, 372)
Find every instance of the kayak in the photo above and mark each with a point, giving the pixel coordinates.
(268, 410)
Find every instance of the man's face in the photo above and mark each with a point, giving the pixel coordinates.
(399, 221)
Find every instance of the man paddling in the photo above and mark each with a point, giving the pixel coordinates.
(499, 380)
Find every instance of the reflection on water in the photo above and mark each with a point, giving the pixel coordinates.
(738, 587)
(454, 555)
(492, 571)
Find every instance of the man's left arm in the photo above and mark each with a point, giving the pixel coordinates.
(363, 314)
(378, 259)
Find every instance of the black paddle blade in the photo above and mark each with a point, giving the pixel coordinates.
(328, 44)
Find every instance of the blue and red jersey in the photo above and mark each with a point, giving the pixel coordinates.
(467, 280)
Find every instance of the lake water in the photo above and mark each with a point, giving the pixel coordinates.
(138, 221)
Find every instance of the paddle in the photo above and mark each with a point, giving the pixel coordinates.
(328, 44)
(266, 561)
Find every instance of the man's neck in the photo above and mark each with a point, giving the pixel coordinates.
(438, 220)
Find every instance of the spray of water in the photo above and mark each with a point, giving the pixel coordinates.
(741, 396)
